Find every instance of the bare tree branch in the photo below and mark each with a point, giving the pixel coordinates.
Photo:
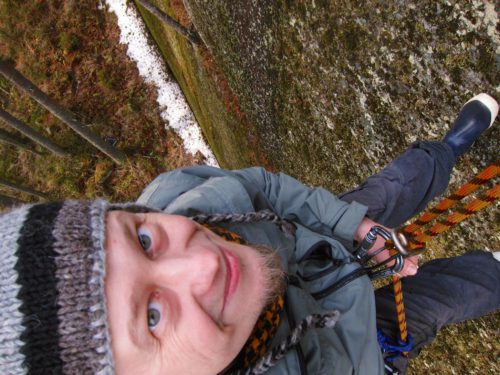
(30, 133)
(192, 36)
(18, 142)
(22, 83)
(22, 189)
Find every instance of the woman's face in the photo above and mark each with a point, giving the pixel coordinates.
(181, 300)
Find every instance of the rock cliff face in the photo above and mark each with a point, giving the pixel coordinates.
(329, 91)
(337, 88)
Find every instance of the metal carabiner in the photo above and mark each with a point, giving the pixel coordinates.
(401, 243)
(382, 270)
(361, 252)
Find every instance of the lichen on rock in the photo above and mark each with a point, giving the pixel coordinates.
(332, 84)
(336, 89)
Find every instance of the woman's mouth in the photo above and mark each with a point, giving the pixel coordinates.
(232, 275)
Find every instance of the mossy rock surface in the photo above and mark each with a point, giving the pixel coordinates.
(331, 91)
(231, 136)
(337, 88)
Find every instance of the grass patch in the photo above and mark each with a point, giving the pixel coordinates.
(71, 51)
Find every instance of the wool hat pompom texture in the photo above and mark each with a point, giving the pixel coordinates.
(53, 316)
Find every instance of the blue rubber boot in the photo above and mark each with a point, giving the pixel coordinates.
(476, 116)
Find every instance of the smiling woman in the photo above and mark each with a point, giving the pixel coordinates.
(143, 288)
(179, 296)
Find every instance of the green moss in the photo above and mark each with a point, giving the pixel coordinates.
(68, 42)
(486, 64)
(227, 134)
(351, 35)
(105, 78)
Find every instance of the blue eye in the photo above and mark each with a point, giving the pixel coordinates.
(144, 239)
(154, 315)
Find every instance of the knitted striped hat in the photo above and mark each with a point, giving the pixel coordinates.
(53, 317)
(52, 301)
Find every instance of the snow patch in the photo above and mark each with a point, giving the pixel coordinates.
(174, 108)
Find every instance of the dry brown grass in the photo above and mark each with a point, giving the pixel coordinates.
(71, 51)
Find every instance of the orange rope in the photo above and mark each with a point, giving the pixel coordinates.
(460, 215)
(448, 202)
(397, 286)
(417, 240)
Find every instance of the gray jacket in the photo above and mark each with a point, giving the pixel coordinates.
(322, 220)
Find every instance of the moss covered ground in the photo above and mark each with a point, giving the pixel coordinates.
(71, 51)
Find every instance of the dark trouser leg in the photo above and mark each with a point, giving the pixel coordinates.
(405, 187)
(444, 291)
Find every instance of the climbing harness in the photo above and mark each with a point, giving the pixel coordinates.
(403, 242)
(410, 241)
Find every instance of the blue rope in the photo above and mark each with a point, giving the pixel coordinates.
(391, 349)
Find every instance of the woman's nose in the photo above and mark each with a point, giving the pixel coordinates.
(196, 269)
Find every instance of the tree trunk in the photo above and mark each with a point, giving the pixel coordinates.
(22, 189)
(67, 117)
(9, 138)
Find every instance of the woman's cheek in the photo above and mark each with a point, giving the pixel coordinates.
(216, 342)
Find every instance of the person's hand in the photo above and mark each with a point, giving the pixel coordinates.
(410, 266)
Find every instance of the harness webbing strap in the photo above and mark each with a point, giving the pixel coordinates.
(392, 349)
